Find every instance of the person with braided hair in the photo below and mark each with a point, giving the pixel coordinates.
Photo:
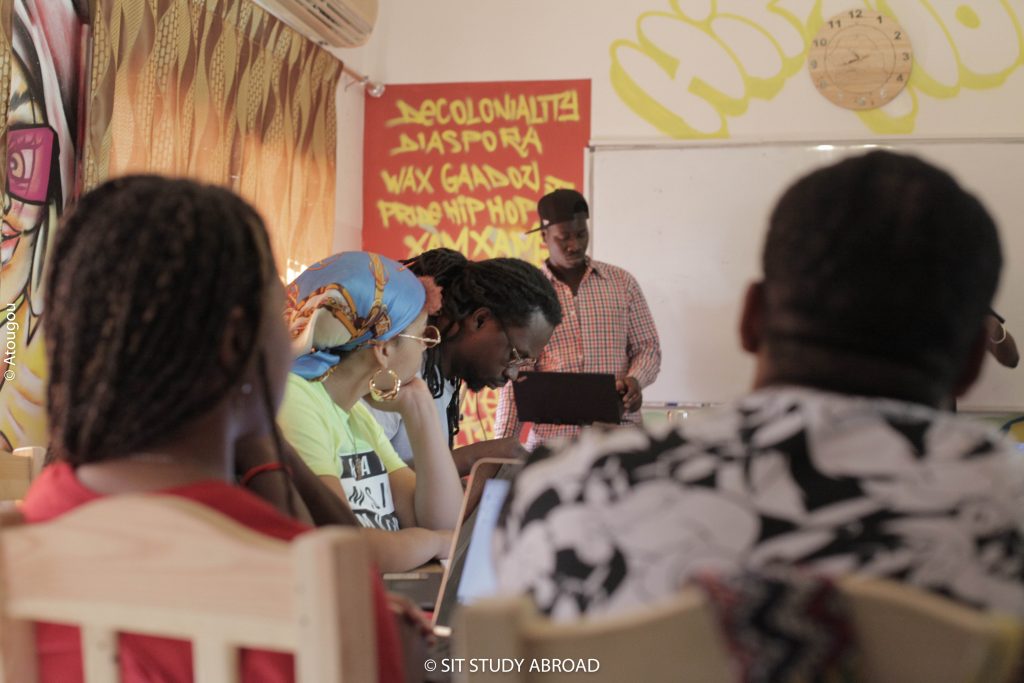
(166, 351)
(496, 315)
(359, 323)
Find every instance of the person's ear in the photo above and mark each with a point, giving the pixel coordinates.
(236, 339)
(479, 317)
(382, 352)
(972, 366)
(752, 318)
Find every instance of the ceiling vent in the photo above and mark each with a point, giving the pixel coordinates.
(328, 23)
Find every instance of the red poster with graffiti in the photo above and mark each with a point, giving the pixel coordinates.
(462, 165)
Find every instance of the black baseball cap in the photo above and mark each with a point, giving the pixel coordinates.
(560, 206)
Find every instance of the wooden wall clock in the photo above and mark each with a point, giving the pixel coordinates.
(860, 59)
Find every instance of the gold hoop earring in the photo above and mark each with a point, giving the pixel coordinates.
(391, 394)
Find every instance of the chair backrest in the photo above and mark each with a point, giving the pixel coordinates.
(904, 636)
(659, 645)
(164, 566)
(18, 469)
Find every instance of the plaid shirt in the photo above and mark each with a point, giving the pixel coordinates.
(607, 327)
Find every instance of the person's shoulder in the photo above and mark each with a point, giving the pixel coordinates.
(54, 492)
(241, 506)
(957, 436)
(637, 453)
(610, 270)
(297, 386)
(616, 274)
(303, 395)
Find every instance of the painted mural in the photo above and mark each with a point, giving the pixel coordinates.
(41, 71)
(695, 65)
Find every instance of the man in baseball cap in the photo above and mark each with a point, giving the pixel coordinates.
(606, 324)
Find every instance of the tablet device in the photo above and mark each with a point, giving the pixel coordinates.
(567, 398)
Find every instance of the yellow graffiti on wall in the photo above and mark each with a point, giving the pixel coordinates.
(687, 72)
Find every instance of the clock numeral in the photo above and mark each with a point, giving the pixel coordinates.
(900, 77)
(856, 14)
(822, 84)
(898, 35)
(814, 63)
(906, 56)
(835, 23)
(820, 42)
(879, 17)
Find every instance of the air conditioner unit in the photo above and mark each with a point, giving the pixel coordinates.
(328, 23)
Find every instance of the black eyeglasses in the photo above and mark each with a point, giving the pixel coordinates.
(517, 361)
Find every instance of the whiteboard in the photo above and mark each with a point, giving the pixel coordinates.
(689, 223)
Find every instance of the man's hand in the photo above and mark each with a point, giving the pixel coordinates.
(629, 389)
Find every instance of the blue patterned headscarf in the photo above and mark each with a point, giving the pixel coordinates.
(345, 301)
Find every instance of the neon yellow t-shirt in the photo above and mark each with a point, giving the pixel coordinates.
(347, 445)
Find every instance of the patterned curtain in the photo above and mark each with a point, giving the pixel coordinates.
(221, 91)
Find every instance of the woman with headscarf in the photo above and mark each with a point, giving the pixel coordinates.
(359, 321)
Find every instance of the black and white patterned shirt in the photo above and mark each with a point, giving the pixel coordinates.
(843, 484)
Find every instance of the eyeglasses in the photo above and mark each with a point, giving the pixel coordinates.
(431, 336)
(31, 154)
(517, 361)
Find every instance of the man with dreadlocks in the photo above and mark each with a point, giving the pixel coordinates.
(496, 315)
(608, 326)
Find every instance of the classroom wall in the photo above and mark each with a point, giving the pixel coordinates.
(670, 69)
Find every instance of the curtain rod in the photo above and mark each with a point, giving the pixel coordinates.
(372, 88)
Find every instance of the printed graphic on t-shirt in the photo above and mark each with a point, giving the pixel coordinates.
(368, 489)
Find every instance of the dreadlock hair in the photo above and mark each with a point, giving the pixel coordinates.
(144, 273)
(883, 257)
(511, 288)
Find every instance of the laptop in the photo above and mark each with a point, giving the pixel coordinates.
(469, 574)
(427, 588)
(567, 398)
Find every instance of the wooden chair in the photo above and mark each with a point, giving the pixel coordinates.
(905, 636)
(18, 469)
(165, 566)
